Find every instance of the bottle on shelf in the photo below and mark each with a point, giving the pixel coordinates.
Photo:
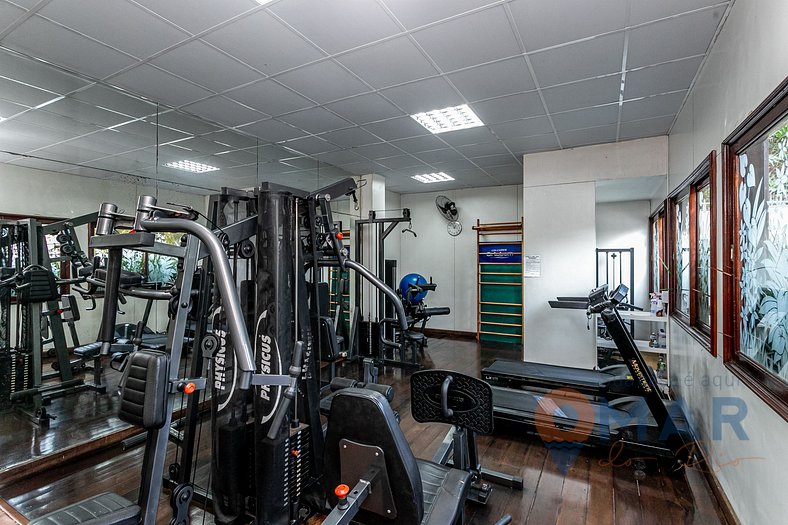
(662, 367)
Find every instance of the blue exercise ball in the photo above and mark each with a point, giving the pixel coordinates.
(412, 278)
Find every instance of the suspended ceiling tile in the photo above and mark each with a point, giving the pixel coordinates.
(339, 25)
(401, 162)
(493, 160)
(657, 106)
(522, 128)
(366, 108)
(478, 150)
(315, 120)
(159, 86)
(645, 128)
(437, 155)
(310, 145)
(112, 99)
(673, 38)
(583, 94)
(224, 111)
(273, 130)
(198, 15)
(423, 95)
(415, 13)
(350, 137)
(523, 145)
(115, 22)
(418, 144)
(323, 82)
(83, 112)
(588, 59)
(377, 151)
(22, 94)
(586, 137)
(396, 128)
(648, 10)
(8, 108)
(672, 76)
(479, 135)
(206, 66)
(494, 80)
(543, 24)
(585, 118)
(388, 63)
(466, 41)
(510, 107)
(340, 157)
(259, 40)
(38, 74)
(269, 97)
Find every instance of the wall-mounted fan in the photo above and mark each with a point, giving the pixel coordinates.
(448, 209)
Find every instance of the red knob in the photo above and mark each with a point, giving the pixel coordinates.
(189, 388)
(341, 491)
(339, 235)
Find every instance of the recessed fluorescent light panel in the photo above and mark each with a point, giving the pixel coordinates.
(191, 166)
(429, 178)
(448, 119)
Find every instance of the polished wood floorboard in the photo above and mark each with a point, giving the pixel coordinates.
(585, 490)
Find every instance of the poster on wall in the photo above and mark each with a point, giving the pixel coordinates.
(533, 266)
(500, 253)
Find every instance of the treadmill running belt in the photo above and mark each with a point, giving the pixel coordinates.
(549, 373)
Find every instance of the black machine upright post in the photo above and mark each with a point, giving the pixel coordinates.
(274, 342)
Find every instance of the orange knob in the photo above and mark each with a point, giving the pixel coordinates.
(341, 491)
(189, 388)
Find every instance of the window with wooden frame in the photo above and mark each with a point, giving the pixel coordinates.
(61, 271)
(692, 252)
(755, 241)
(658, 264)
(155, 268)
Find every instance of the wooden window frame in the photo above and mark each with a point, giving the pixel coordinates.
(64, 289)
(772, 390)
(659, 217)
(705, 173)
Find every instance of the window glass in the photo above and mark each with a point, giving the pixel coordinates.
(161, 268)
(703, 270)
(682, 254)
(763, 244)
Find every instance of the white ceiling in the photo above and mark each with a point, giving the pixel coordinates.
(335, 81)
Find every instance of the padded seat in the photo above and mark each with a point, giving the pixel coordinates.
(104, 509)
(88, 351)
(444, 490)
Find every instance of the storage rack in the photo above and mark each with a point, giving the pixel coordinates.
(499, 281)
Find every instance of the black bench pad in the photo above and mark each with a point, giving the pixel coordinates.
(445, 490)
(104, 509)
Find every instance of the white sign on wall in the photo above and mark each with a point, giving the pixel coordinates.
(532, 266)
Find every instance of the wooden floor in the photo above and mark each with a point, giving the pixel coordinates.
(558, 489)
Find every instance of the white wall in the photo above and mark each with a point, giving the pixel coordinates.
(559, 196)
(560, 228)
(451, 261)
(744, 66)
(626, 225)
(26, 191)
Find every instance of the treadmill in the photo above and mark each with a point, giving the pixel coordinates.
(647, 425)
(609, 382)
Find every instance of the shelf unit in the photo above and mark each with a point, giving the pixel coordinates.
(651, 354)
(499, 282)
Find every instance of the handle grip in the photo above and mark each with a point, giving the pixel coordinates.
(447, 412)
(290, 393)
